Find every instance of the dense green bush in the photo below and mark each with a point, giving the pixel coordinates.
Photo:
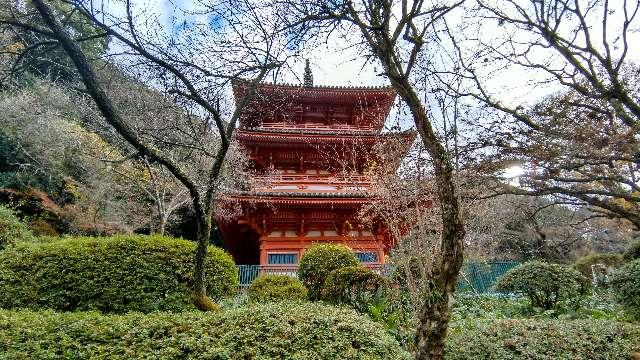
(303, 331)
(354, 286)
(543, 339)
(633, 251)
(276, 288)
(12, 230)
(626, 285)
(113, 274)
(318, 261)
(545, 284)
(597, 305)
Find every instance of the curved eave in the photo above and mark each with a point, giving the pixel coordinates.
(240, 86)
(264, 137)
(315, 131)
(297, 199)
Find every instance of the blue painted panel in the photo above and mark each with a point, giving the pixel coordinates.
(367, 257)
(279, 259)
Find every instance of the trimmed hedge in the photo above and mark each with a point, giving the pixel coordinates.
(354, 286)
(12, 230)
(114, 274)
(302, 331)
(267, 288)
(626, 285)
(318, 261)
(270, 331)
(534, 339)
(545, 284)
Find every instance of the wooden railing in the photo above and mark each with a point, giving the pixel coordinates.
(247, 273)
(314, 126)
(301, 182)
(475, 277)
(313, 179)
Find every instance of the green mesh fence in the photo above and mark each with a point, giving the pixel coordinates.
(475, 277)
(479, 277)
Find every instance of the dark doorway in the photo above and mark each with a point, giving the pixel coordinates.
(243, 243)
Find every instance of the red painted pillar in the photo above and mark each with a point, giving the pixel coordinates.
(263, 251)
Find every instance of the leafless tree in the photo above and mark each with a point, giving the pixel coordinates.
(195, 63)
(578, 145)
(393, 33)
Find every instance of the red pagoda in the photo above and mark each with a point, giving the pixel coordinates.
(311, 146)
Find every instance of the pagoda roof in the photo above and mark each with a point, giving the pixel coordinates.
(316, 131)
(241, 84)
(306, 138)
(304, 199)
(367, 106)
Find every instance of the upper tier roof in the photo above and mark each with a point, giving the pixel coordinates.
(365, 107)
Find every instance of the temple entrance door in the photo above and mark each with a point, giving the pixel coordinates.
(242, 242)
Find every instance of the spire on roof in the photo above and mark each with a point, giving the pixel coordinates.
(308, 76)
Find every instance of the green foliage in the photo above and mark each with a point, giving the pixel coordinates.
(584, 264)
(542, 339)
(546, 285)
(372, 294)
(626, 284)
(632, 252)
(12, 230)
(267, 288)
(47, 61)
(318, 261)
(114, 274)
(302, 331)
(597, 305)
(354, 286)
(598, 268)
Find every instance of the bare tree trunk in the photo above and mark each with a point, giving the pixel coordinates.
(199, 285)
(435, 313)
(162, 224)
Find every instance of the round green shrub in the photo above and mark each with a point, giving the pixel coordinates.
(632, 252)
(538, 339)
(302, 331)
(585, 265)
(354, 286)
(12, 230)
(113, 274)
(267, 288)
(626, 285)
(545, 284)
(318, 261)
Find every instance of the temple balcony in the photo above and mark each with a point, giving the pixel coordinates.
(317, 127)
(305, 183)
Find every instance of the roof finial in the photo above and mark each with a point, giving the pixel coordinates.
(308, 76)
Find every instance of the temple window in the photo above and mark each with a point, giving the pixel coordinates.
(367, 256)
(282, 259)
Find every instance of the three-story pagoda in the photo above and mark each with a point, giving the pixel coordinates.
(311, 146)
